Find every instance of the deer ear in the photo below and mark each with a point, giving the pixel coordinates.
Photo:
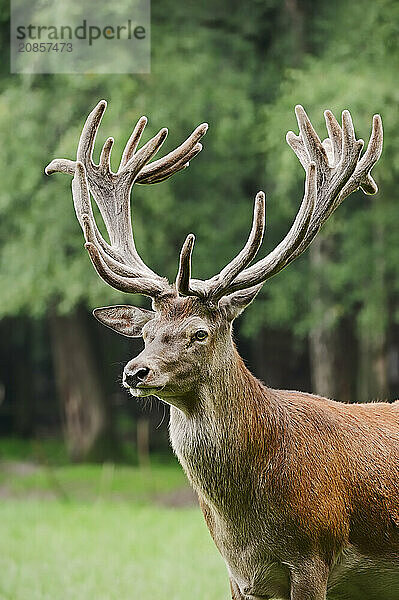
(124, 319)
(235, 303)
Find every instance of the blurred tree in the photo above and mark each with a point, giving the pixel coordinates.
(37, 213)
(358, 275)
(242, 69)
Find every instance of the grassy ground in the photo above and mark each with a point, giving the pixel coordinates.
(93, 532)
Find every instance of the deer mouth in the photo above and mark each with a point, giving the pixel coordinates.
(145, 390)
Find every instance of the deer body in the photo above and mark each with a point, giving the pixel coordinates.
(285, 475)
(300, 493)
(286, 478)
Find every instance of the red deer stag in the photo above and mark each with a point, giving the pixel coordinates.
(300, 493)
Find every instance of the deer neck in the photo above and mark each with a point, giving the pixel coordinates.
(234, 421)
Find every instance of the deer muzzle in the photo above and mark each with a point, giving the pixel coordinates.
(140, 379)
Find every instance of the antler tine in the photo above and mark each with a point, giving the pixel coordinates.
(220, 283)
(215, 287)
(361, 176)
(85, 145)
(105, 156)
(374, 148)
(351, 148)
(89, 134)
(179, 165)
(172, 162)
(334, 135)
(184, 272)
(138, 285)
(311, 141)
(297, 145)
(280, 257)
(133, 141)
(61, 165)
(140, 158)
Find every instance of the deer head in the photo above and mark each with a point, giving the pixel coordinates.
(187, 335)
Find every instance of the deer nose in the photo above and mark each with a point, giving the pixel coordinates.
(136, 376)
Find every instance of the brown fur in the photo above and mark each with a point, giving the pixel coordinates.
(290, 484)
(300, 493)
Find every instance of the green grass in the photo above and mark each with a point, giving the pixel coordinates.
(93, 532)
(60, 551)
(45, 450)
(90, 482)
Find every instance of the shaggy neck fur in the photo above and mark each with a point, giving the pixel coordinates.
(237, 423)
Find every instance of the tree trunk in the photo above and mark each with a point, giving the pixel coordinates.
(346, 360)
(80, 392)
(373, 366)
(24, 388)
(323, 336)
(373, 380)
(322, 346)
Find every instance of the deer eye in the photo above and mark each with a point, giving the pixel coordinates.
(200, 335)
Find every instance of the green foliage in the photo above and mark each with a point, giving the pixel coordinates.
(37, 213)
(236, 72)
(364, 272)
